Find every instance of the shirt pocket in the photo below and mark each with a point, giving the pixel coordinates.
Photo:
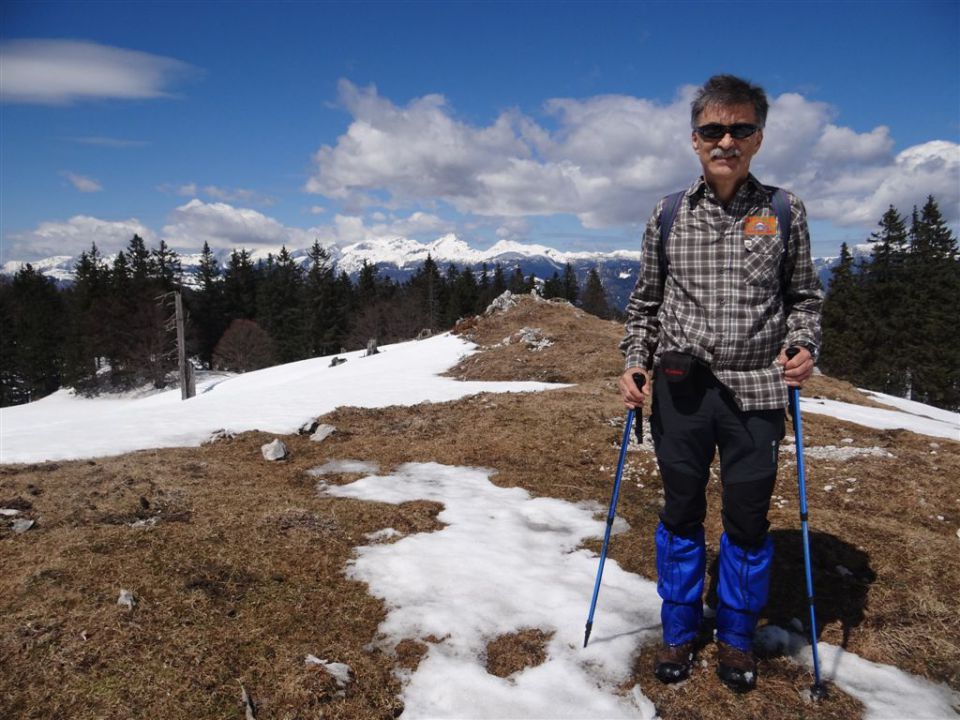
(762, 255)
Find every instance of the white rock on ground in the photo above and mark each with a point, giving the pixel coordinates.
(126, 599)
(504, 302)
(275, 450)
(322, 432)
(21, 525)
(338, 671)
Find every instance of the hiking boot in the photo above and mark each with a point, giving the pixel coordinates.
(736, 668)
(673, 662)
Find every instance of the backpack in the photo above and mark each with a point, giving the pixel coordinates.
(671, 206)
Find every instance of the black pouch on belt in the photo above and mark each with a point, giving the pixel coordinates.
(679, 370)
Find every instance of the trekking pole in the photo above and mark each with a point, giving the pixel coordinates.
(818, 690)
(639, 380)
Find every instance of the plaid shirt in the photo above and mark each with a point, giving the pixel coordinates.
(731, 299)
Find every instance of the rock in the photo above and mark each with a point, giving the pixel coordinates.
(9, 512)
(533, 338)
(126, 599)
(337, 361)
(275, 450)
(338, 671)
(308, 427)
(502, 303)
(322, 432)
(21, 525)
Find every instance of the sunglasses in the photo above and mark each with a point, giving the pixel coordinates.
(716, 131)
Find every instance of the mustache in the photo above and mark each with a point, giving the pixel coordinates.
(721, 153)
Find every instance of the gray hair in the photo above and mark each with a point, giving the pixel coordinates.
(729, 90)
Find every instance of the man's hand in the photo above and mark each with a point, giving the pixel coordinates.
(633, 396)
(796, 370)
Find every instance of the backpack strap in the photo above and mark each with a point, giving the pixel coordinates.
(671, 206)
(781, 208)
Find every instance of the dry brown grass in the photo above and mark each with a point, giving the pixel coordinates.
(241, 576)
(511, 653)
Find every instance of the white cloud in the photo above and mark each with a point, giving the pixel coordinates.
(82, 182)
(57, 72)
(609, 158)
(229, 195)
(74, 236)
(222, 226)
(225, 226)
(515, 229)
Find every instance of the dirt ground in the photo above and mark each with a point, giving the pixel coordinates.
(236, 565)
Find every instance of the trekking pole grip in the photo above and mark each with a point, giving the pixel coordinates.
(639, 379)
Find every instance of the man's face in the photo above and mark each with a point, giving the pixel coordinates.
(734, 167)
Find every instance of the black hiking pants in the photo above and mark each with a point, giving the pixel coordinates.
(690, 422)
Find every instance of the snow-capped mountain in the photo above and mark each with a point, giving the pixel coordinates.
(399, 257)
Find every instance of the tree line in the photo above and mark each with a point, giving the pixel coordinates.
(112, 327)
(890, 321)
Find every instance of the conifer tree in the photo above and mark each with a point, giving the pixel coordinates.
(325, 317)
(842, 350)
(518, 283)
(167, 267)
(280, 306)
(594, 300)
(483, 288)
(207, 306)
(553, 288)
(426, 288)
(31, 360)
(85, 344)
(571, 288)
(240, 287)
(887, 355)
(933, 282)
(140, 260)
(499, 284)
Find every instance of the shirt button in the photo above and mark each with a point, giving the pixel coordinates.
(723, 301)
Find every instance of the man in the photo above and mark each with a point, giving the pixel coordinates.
(717, 305)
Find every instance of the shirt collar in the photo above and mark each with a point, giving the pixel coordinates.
(751, 186)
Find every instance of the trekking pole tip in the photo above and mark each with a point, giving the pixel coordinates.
(586, 634)
(818, 691)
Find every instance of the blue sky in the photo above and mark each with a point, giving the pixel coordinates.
(256, 124)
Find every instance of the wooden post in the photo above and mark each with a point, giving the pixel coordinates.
(187, 386)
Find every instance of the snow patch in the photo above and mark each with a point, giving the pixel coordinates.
(529, 571)
(937, 423)
(886, 692)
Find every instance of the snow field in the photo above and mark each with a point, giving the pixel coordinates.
(507, 562)
(526, 572)
(280, 399)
